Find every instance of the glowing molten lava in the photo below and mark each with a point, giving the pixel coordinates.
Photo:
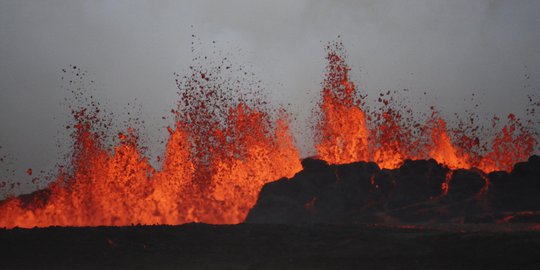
(345, 134)
(223, 149)
(212, 171)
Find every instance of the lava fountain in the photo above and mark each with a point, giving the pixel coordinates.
(224, 147)
(219, 154)
(345, 134)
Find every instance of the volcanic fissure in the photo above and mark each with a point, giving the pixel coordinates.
(223, 148)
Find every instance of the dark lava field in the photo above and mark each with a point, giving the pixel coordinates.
(256, 246)
(353, 216)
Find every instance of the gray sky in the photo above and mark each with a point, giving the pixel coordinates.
(131, 48)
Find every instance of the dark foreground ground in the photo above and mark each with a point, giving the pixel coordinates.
(256, 246)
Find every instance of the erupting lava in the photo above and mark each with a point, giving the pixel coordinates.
(346, 135)
(221, 151)
(216, 161)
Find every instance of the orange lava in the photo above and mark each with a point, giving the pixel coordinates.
(441, 147)
(343, 127)
(220, 153)
(346, 135)
(512, 144)
(212, 176)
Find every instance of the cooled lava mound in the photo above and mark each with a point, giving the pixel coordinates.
(418, 191)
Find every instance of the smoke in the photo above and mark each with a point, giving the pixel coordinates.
(449, 49)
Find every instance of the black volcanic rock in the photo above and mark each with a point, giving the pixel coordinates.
(518, 190)
(416, 181)
(319, 193)
(466, 184)
(418, 191)
(273, 246)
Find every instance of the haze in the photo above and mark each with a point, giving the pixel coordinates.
(448, 49)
